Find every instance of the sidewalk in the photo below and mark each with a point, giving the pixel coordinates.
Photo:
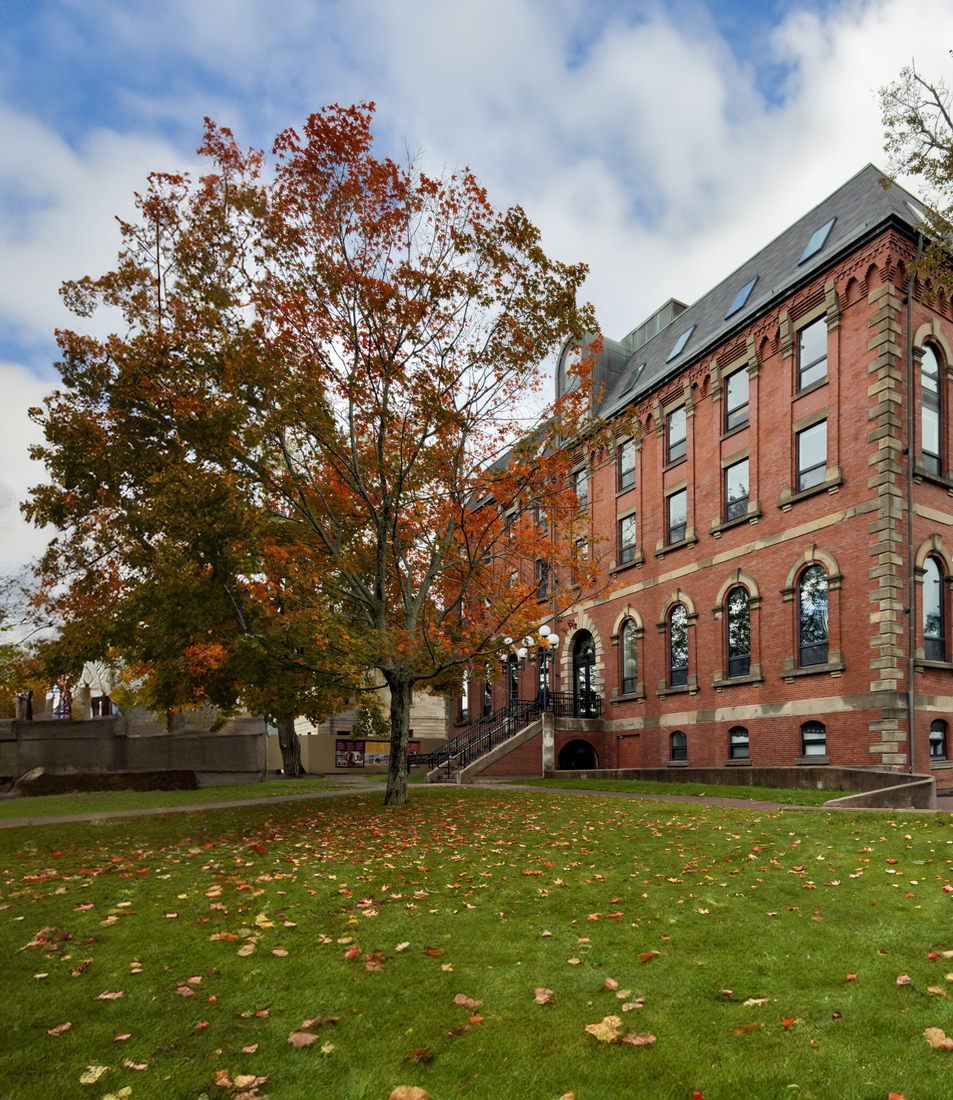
(360, 785)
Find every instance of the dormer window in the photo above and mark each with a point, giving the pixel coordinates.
(680, 344)
(741, 297)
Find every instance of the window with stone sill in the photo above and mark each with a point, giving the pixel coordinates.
(630, 658)
(675, 433)
(812, 353)
(937, 740)
(580, 480)
(813, 739)
(812, 603)
(678, 746)
(930, 433)
(811, 447)
(736, 400)
(934, 632)
(627, 539)
(738, 632)
(738, 743)
(678, 646)
(627, 464)
(736, 490)
(677, 516)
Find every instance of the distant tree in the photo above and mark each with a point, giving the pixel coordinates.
(918, 133)
(320, 447)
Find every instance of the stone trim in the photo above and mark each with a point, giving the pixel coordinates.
(831, 483)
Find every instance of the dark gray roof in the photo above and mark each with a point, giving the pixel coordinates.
(860, 207)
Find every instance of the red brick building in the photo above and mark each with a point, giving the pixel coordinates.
(753, 518)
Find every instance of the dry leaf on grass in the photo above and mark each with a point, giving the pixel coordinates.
(130, 1064)
(544, 996)
(248, 1080)
(93, 1074)
(280, 952)
(184, 990)
(58, 1030)
(122, 1038)
(635, 1040)
(937, 1039)
(109, 996)
(222, 1079)
(466, 1002)
(300, 1039)
(904, 979)
(374, 961)
(752, 1002)
(611, 983)
(746, 1028)
(607, 1030)
(420, 1054)
(250, 1050)
(409, 1092)
(639, 1002)
(402, 947)
(647, 956)
(434, 952)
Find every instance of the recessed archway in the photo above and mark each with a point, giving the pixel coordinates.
(577, 755)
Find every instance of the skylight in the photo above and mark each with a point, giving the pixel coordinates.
(817, 241)
(741, 297)
(634, 377)
(680, 344)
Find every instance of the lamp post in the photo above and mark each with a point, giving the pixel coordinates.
(544, 643)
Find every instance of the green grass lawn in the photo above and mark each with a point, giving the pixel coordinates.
(105, 802)
(762, 949)
(807, 797)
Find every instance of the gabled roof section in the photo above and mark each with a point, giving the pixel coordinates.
(853, 211)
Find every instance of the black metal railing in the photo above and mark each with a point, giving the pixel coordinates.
(502, 724)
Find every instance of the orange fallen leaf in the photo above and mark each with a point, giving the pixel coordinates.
(746, 1028)
(851, 978)
(203, 1025)
(409, 1092)
(476, 1019)
(646, 956)
(434, 952)
(352, 953)
(421, 1054)
(222, 1079)
(789, 1022)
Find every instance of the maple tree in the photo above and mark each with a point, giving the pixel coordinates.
(322, 447)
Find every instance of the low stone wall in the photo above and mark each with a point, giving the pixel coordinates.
(101, 745)
(875, 787)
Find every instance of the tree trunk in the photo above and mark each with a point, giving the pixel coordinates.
(290, 748)
(399, 736)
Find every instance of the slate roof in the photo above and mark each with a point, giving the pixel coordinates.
(861, 208)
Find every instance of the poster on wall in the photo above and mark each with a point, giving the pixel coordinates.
(377, 754)
(349, 754)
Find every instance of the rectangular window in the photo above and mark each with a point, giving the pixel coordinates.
(677, 516)
(465, 700)
(580, 560)
(542, 579)
(813, 739)
(627, 539)
(736, 490)
(675, 432)
(580, 481)
(736, 400)
(627, 464)
(542, 520)
(812, 353)
(812, 456)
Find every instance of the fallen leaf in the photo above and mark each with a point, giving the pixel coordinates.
(326, 1048)
(374, 961)
(222, 1079)
(421, 1054)
(196, 980)
(93, 1074)
(58, 1030)
(851, 978)
(623, 994)
(448, 967)
(203, 1025)
(746, 1028)
(573, 962)
(122, 1038)
(476, 1020)
(409, 1092)
(130, 1064)
(647, 956)
(402, 947)
(611, 983)
(184, 990)
(544, 996)
(607, 1030)
(751, 1002)
(937, 1039)
(248, 1080)
(280, 952)
(938, 989)
(466, 1002)
(109, 996)
(250, 1050)
(352, 953)
(300, 1039)
(635, 1040)
(639, 1002)
(788, 1022)
(247, 949)
(434, 952)
(904, 979)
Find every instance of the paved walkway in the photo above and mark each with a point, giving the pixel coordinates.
(944, 802)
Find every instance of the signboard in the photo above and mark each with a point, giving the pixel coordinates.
(349, 754)
(366, 754)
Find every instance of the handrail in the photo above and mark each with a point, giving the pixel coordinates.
(502, 724)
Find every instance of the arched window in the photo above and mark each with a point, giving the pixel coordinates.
(934, 633)
(812, 616)
(630, 661)
(738, 743)
(930, 434)
(813, 739)
(679, 746)
(938, 740)
(738, 620)
(678, 646)
(586, 702)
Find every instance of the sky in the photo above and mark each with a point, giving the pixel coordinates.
(662, 143)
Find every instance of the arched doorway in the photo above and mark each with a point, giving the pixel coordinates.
(577, 756)
(583, 675)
